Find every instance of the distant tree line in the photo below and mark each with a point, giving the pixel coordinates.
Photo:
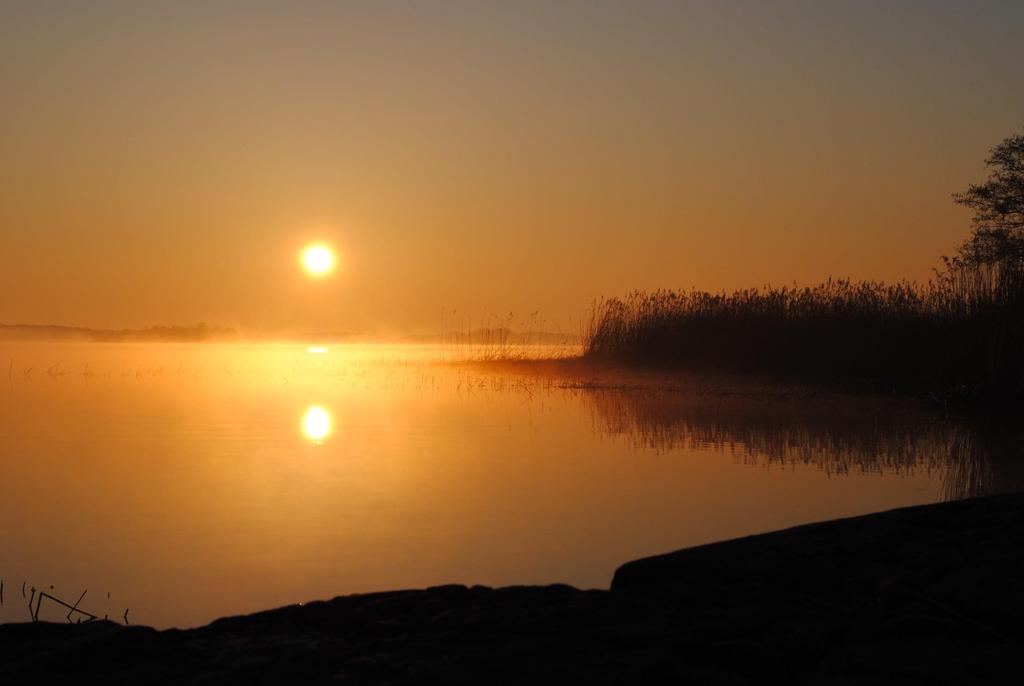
(197, 333)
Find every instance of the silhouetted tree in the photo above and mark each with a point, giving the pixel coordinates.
(998, 206)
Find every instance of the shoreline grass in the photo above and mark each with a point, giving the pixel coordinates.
(957, 338)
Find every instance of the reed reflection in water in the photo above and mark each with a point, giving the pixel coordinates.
(838, 435)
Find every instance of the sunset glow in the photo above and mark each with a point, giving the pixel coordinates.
(542, 341)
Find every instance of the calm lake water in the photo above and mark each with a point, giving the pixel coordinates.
(188, 482)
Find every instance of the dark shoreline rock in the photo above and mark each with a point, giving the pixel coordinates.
(931, 594)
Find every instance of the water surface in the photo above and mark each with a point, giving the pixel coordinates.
(190, 482)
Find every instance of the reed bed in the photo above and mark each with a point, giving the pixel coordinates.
(961, 335)
(505, 340)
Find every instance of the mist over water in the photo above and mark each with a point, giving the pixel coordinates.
(195, 481)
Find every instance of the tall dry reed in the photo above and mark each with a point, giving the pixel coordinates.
(960, 335)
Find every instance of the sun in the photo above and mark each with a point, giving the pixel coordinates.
(318, 259)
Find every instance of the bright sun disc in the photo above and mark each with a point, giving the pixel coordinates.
(318, 259)
(316, 424)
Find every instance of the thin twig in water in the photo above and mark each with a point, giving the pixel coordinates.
(75, 608)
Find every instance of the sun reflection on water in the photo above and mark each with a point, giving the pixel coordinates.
(317, 424)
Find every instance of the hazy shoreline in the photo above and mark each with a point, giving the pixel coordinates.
(50, 333)
(498, 338)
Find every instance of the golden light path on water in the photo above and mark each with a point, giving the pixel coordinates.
(202, 480)
(317, 424)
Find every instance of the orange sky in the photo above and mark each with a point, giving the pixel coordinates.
(164, 165)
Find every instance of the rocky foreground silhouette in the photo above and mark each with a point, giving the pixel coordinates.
(931, 594)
